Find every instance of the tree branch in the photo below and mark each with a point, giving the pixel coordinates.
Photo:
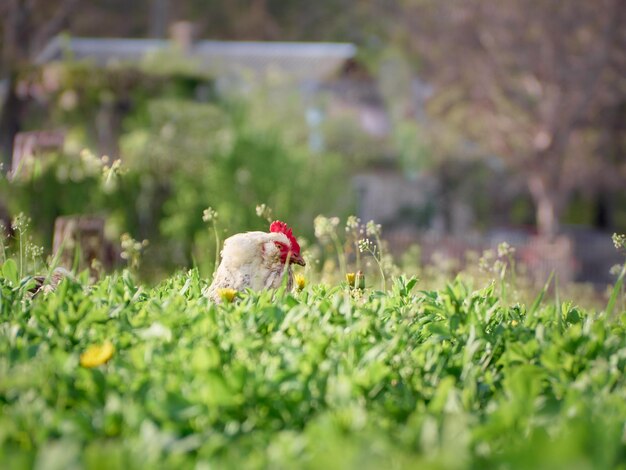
(53, 25)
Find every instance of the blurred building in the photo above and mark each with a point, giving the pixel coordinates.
(303, 64)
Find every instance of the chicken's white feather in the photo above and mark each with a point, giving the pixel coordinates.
(250, 260)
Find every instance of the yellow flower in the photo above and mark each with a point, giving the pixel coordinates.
(96, 355)
(226, 294)
(300, 281)
(351, 277)
(514, 322)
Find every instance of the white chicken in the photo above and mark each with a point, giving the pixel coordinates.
(257, 260)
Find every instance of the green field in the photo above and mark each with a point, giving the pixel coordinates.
(323, 378)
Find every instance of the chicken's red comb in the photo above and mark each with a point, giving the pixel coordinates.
(281, 227)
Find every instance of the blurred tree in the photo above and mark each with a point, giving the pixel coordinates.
(159, 17)
(26, 26)
(540, 83)
(300, 20)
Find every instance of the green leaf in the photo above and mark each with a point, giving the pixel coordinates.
(438, 402)
(541, 295)
(9, 271)
(616, 290)
(411, 284)
(438, 328)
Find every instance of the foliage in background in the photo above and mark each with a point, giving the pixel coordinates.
(200, 155)
(54, 185)
(183, 149)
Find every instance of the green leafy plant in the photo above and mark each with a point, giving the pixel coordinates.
(116, 373)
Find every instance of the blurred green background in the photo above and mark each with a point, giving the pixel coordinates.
(463, 124)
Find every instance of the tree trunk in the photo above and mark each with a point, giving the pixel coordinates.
(22, 37)
(15, 47)
(10, 123)
(548, 205)
(159, 14)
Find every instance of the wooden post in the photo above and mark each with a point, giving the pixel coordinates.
(81, 236)
(30, 144)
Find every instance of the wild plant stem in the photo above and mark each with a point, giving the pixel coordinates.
(617, 288)
(358, 256)
(2, 248)
(379, 244)
(383, 281)
(557, 301)
(217, 249)
(340, 255)
(502, 283)
(513, 274)
(382, 275)
(21, 254)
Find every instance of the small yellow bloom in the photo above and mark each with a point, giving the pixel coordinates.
(514, 322)
(300, 281)
(351, 277)
(96, 355)
(226, 294)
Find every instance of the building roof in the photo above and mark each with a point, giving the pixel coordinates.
(297, 60)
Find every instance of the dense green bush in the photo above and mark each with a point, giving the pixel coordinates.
(454, 378)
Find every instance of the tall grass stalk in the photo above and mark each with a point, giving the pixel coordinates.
(3, 248)
(619, 240)
(217, 249)
(557, 301)
(378, 259)
(541, 295)
(383, 280)
(340, 253)
(210, 215)
(615, 293)
(21, 244)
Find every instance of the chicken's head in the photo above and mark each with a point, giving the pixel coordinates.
(289, 253)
